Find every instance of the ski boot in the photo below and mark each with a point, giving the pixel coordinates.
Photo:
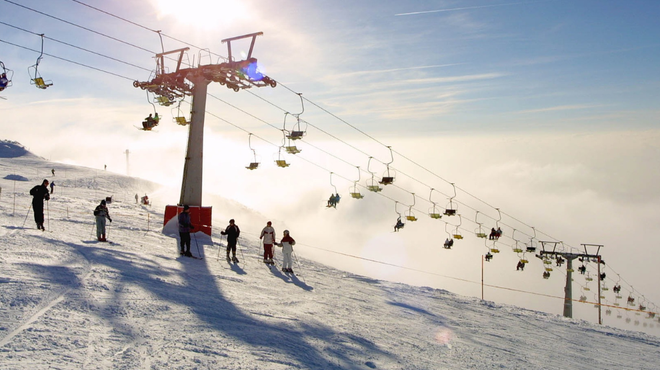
(234, 259)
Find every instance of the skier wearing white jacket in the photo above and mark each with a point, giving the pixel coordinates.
(287, 244)
(268, 236)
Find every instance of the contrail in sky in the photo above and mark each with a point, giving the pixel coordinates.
(470, 7)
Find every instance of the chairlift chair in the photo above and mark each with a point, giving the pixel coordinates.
(531, 247)
(451, 210)
(449, 242)
(388, 177)
(6, 76)
(292, 149)
(353, 191)
(296, 133)
(254, 164)
(457, 234)
(410, 216)
(179, 118)
(334, 198)
(279, 161)
(399, 224)
(372, 184)
(33, 71)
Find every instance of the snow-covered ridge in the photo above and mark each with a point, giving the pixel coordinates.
(69, 302)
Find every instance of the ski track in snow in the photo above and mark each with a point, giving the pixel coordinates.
(69, 302)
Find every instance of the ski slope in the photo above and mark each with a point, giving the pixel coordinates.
(70, 302)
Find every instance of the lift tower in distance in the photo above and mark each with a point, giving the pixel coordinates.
(569, 257)
(169, 86)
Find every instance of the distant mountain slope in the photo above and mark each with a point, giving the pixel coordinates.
(13, 149)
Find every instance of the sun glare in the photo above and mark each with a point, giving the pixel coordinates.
(203, 13)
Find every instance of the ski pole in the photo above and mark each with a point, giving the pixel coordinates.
(48, 214)
(298, 263)
(219, 245)
(26, 216)
(91, 232)
(242, 256)
(198, 252)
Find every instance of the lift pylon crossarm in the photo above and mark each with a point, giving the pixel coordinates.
(160, 60)
(229, 40)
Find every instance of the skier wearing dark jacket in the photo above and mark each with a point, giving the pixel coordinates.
(39, 194)
(185, 226)
(232, 231)
(101, 213)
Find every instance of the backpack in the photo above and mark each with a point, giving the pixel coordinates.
(96, 212)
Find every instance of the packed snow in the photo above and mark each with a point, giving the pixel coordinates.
(68, 301)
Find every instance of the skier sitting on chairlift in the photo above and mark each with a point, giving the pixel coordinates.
(334, 199)
(449, 243)
(399, 224)
(520, 266)
(150, 122)
(4, 81)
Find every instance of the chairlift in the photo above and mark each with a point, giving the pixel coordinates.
(291, 149)
(334, 198)
(5, 77)
(433, 213)
(279, 161)
(488, 256)
(388, 176)
(631, 301)
(355, 193)
(588, 277)
(449, 242)
(180, 119)
(399, 224)
(254, 164)
(494, 248)
(531, 247)
(546, 274)
(457, 234)
(150, 121)
(410, 216)
(372, 184)
(450, 210)
(479, 232)
(296, 132)
(33, 71)
(516, 247)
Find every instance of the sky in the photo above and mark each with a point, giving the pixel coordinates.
(545, 110)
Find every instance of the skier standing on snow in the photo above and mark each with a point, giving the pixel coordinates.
(268, 236)
(39, 194)
(52, 185)
(184, 231)
(287, 244)
(232, 231)
(101, 213)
